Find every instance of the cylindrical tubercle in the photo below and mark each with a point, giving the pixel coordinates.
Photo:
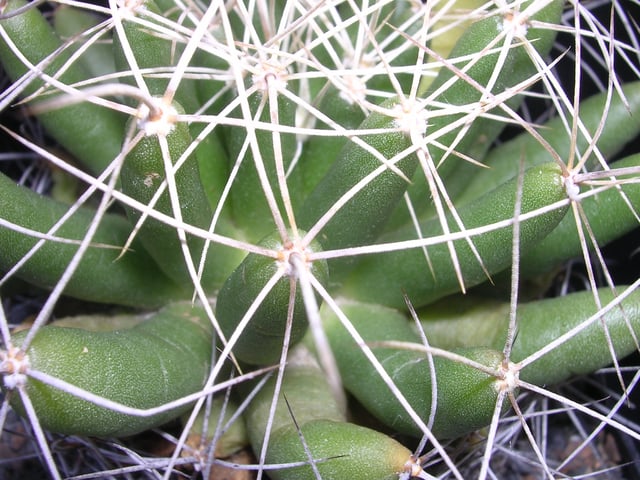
(157, 361)
(306, 408)
(384, 277)
(262, 340)
(465, 399)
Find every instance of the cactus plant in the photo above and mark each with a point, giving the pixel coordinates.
(351, 180)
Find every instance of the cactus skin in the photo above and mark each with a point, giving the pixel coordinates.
(142, 174)
(466, 397)
(103, 275)
(352, 451)
(407, 270)
(362, 219)
(546, 320)
(157, 361)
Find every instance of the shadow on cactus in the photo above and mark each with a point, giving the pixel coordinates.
(306, 215)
